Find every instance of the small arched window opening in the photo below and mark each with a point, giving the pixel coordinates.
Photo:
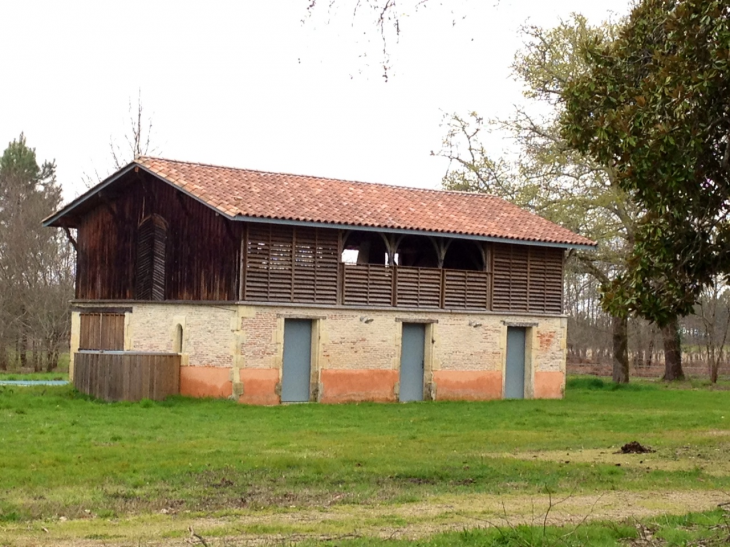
(417, 251)
(151, 259)
(177, 346)
(364, 248)
(464, 255)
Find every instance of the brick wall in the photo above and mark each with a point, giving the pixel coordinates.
(465, 352)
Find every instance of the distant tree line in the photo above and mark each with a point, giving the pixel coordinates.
(705, 334)
(36, 264)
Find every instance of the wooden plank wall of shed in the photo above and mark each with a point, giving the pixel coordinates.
(203, 249)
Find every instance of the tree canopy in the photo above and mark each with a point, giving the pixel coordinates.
(653, 106)
(546, 175)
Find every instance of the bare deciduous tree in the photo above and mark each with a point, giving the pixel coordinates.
(385, 17)
(136, 142)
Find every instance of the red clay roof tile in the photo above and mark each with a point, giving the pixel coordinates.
(258, 194)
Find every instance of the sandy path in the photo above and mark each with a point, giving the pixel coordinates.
(412, 520)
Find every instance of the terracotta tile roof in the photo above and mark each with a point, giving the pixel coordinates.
(248, 193)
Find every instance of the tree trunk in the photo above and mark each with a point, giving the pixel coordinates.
(35, 356)
(672, 352)
(23, 347)
(714, 371)
(3, 357)
(51, 354)
(620, 350)
(650, 354)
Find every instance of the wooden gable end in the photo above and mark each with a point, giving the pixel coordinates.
(122, 258)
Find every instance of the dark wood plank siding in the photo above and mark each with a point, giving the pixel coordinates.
(201, 254)
(151, 264)
(528, 279)
(101, 331)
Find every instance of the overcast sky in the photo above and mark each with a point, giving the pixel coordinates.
(249, 84)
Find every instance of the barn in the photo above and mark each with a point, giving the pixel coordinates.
(272, 288)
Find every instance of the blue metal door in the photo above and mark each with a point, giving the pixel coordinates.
(411, 362)
(514, 381)
(295, 377)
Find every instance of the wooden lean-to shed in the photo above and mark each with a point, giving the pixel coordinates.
(272, 288)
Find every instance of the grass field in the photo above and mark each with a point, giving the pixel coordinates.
(73, 468)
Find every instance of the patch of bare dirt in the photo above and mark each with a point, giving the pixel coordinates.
(710, 459)
(635, 447)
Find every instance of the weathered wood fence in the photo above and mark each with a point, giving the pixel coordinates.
(127, 376)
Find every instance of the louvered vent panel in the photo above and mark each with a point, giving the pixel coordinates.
(286, 264)
(528, 279)
(418, 287)
(466, 289)
(510, 278)
(367, 285)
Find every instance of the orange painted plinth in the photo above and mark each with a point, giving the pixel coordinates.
(549, 385)
(349, 386)
(468, 385)
(206, 382)
(259, 386)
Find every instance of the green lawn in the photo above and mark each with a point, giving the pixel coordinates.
(707, 529)
(63, 455)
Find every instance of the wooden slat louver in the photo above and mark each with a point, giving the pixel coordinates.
(554, 260)
(280, 263)
(327, 261)
(150, 266)
(528, 279)
(287, 264)
(258, 250)
(418, 287)
(367, 285)
(510, 278)
(466, 289)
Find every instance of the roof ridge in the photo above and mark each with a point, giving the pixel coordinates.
(436, 190)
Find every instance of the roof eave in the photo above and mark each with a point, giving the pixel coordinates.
(53, 220)
(493, 239)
